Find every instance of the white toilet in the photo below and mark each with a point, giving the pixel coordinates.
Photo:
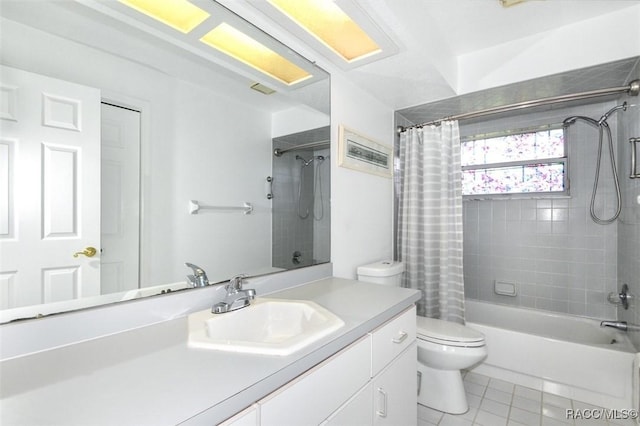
(444, 348)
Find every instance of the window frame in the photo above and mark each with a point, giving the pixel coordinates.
(503, 165)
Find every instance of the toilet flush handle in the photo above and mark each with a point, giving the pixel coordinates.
(402, 336)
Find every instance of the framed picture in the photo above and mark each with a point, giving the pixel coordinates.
(358, 152)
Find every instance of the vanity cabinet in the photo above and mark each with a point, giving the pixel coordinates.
(394, 368)
(390, 397)
(313, 396)
(370, 382)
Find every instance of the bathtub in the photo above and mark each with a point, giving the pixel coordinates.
(561, 354)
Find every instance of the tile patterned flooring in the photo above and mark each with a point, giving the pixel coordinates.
(495, 402)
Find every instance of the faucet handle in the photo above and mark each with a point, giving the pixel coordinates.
(199, 277)
(623, 298)
(197, 271)
(235, 283)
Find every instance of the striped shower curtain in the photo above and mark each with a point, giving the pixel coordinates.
(430, 219)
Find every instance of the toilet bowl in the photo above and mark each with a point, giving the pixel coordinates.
(445, 348)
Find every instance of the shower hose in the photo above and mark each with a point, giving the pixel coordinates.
(602, 126)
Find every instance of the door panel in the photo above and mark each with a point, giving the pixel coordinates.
(49, 189)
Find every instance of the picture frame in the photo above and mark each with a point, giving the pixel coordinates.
(358, 152)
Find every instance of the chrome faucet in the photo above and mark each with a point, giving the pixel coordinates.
(199, 277)
(619, 325)
(236, 297)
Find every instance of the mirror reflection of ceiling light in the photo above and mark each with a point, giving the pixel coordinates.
(249, 51)
(178, 14)
(328, 23)
(265, 90)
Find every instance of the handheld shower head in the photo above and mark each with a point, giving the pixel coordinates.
(606, 115)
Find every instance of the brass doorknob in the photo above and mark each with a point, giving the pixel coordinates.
(89, 252)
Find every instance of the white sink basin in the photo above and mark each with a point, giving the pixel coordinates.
(267, 326)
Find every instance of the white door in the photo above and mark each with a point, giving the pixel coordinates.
(49, 189)
(120, 142)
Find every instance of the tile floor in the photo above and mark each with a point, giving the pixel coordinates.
(495, 402)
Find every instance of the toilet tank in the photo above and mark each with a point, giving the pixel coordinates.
(386, 272)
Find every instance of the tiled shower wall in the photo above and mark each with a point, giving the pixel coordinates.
(629, 225)
(291, 233)
(557, 257)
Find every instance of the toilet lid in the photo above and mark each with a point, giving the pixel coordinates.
(448, 333)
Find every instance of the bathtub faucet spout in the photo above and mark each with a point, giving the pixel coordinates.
(619, 325)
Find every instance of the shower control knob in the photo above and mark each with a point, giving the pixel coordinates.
(621, 298)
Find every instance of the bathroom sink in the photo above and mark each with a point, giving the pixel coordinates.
(267, 327)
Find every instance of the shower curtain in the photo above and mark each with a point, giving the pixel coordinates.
(430, 219)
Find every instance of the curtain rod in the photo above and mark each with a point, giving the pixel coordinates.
(632, 89)
(278, 152)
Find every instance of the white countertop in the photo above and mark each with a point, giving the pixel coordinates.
(149, 376)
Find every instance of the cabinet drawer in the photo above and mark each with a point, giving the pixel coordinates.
(390, 339)
(312, 397)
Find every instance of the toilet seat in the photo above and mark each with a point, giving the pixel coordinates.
(448, 333)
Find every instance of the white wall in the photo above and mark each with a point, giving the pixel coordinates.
(580, 45)
(361, 203)
(219, 160)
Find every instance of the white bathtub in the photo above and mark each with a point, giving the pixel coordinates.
(561, 354)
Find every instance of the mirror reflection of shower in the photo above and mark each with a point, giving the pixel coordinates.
(301, 203)
(316, 190)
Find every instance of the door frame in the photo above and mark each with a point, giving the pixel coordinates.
(144, 108)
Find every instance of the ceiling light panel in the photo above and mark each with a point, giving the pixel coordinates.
(249, 51)
(178, 14)
(327, 22)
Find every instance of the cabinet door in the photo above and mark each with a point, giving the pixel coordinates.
(395, 391)
(357, 411)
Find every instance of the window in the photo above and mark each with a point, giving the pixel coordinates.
(530, 162)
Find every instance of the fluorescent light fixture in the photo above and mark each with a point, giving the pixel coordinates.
(328, 23)
(240, 46)
(178, 14)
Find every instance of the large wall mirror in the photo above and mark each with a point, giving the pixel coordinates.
(154, 145)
